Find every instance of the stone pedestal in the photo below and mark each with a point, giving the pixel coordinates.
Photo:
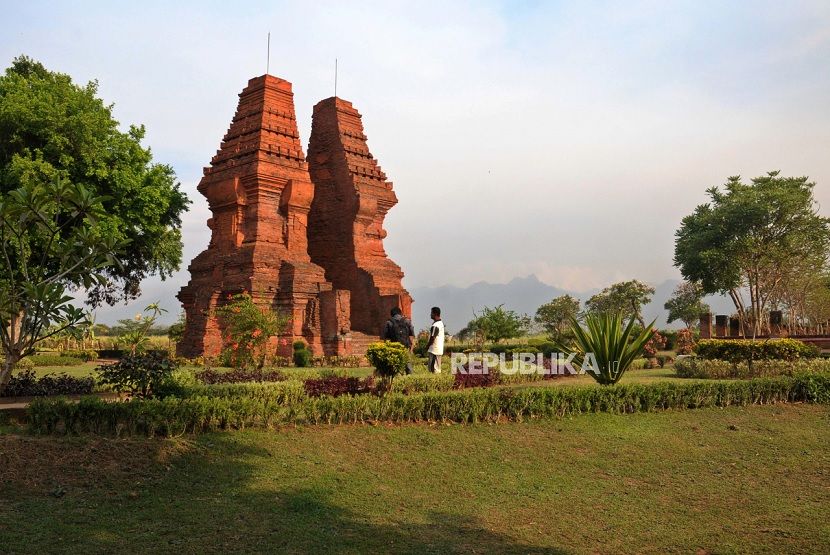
(706, 325)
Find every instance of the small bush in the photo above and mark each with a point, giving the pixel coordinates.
(286, 393)
(696, 367)
(302, 356)
(463, 381)
(388, 358)
(27, 384)
(54, 360)
(87, 355)
(239, 375)
(141, 374)
(339, 385)
(738, 350)
(24, 364)
(422, 383)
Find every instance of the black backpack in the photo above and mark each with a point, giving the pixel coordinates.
(400, 330)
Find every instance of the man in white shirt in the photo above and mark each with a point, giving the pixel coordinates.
(435, 345)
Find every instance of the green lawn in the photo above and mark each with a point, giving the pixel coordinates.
(749, 479)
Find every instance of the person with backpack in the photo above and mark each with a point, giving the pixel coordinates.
(399, 329)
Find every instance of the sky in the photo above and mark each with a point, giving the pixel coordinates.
(561, 139)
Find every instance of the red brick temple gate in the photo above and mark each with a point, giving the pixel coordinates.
(303, 256)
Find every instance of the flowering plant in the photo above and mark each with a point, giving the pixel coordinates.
(247, 329)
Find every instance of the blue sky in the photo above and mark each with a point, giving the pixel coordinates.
(562, 139)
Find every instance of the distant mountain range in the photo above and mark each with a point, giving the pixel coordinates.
(525, 295)
(522, 294)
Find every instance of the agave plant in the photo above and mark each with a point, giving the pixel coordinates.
(613, 346)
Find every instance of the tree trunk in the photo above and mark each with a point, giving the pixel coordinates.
(6, 370)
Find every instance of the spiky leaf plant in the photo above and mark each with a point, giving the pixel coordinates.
(612, 345)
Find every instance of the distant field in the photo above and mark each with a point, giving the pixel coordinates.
(751, 480)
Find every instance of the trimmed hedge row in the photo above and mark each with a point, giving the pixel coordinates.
(737, 350)
(174, 416)
(54, 360)
(695, 367)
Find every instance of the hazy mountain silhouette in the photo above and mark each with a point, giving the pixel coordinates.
(525, 295)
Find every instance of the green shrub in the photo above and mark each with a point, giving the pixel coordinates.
(87, 355)
(389, 358)
(24, 364)
(696, 367)
(613, 345)
(738, 350)
(302, 356)
(54, 360)
(142, 375)
(174, 416)
(421, 383)
(288, 392)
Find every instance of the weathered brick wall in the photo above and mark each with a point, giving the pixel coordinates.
(260, 194)
(352, 198)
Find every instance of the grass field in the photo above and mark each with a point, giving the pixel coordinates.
(753, 479)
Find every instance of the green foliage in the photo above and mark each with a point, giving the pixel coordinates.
(302, 357)
(389, 358)
(176, 331)
(685, 343)
(612, 346)
(555, 316)
(141, 375)
(54, 360)
(742, 350)
(174, 416)
(135, 335)
(86, 355)
(696, 367)
(626, 298)
(762, 237)
(54, 130)
(686, 304)
(248, 329)
(496, 324)
(49, 243)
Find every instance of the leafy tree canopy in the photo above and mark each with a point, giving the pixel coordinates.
(555, 316)
(686, 304)
(53, 129)
(495, 324)
(748, 237)
(626, 298)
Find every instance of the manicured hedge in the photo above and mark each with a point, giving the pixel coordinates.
(27, 384)
(696, 367)
(737, 350)
(173, 416)
(54, 360)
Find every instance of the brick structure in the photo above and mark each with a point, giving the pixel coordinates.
(260, 193)
(345, 230)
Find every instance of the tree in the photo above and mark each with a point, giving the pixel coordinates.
(745, 240)
(626, 298)
(556, 315)
(52, 237)
(247, 330)
(495, 324)
(52, 129)
(686, 304)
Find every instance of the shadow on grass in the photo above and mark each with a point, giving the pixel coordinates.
(216, 498)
